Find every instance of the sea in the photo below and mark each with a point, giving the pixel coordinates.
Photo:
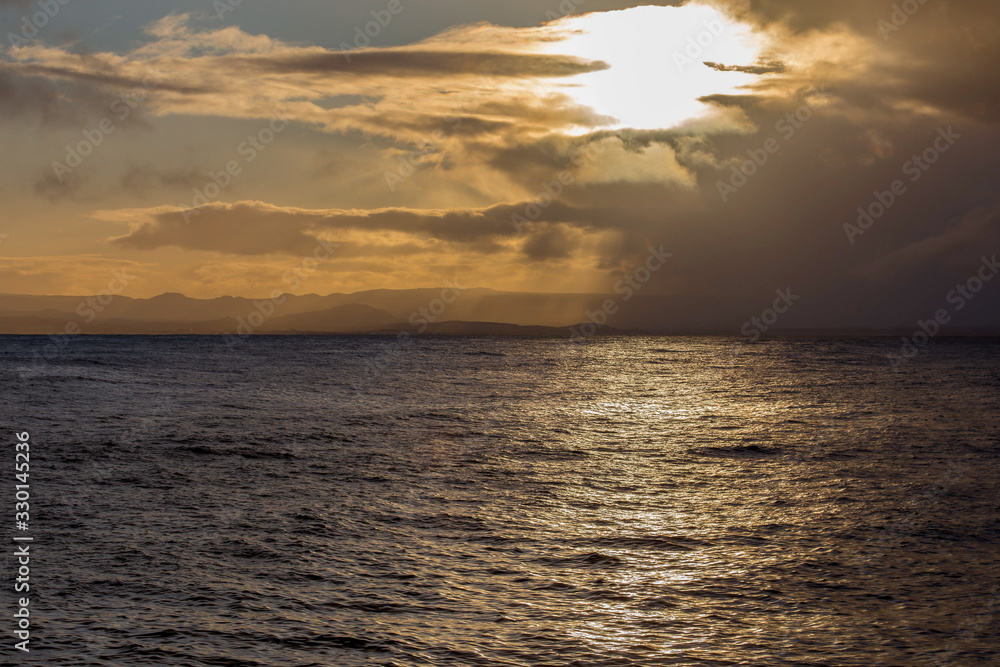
(352, 500)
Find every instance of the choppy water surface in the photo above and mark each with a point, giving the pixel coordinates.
(342, 501)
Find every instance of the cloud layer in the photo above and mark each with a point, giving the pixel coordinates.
(479, 151)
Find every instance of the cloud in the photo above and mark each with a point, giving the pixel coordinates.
(770, 68)
(256, 228)
(977, 232)
(142, 178)
(617, 162)
(25, 96)
(406, 62)
(398, 92)
(497, 117)
(554, 242)
(940, 56)
(55, 188)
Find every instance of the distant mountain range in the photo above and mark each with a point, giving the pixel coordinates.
(472, 311)
(420, 311)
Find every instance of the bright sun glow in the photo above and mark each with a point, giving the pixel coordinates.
(656, 57)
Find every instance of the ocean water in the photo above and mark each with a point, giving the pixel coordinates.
(451, 501)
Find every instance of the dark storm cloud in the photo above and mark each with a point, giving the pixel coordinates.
(55, 188)
(142, 178)
(556, 242)
(254, 228)
(37, 97)
(889, 94)
(935, 52)
(109, 79)
(406, 62)
(32, 95)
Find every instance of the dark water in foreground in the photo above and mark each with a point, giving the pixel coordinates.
(674, 501)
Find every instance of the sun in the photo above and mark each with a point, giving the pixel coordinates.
(656, 56)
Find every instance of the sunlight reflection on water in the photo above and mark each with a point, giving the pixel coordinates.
(632, 501)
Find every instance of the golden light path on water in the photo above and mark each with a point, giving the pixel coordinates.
(515, 502)
(636, 503)
(656, 57)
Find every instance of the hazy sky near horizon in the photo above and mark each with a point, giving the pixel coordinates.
(208, 148)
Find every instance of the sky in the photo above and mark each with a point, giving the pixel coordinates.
(844, 151)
